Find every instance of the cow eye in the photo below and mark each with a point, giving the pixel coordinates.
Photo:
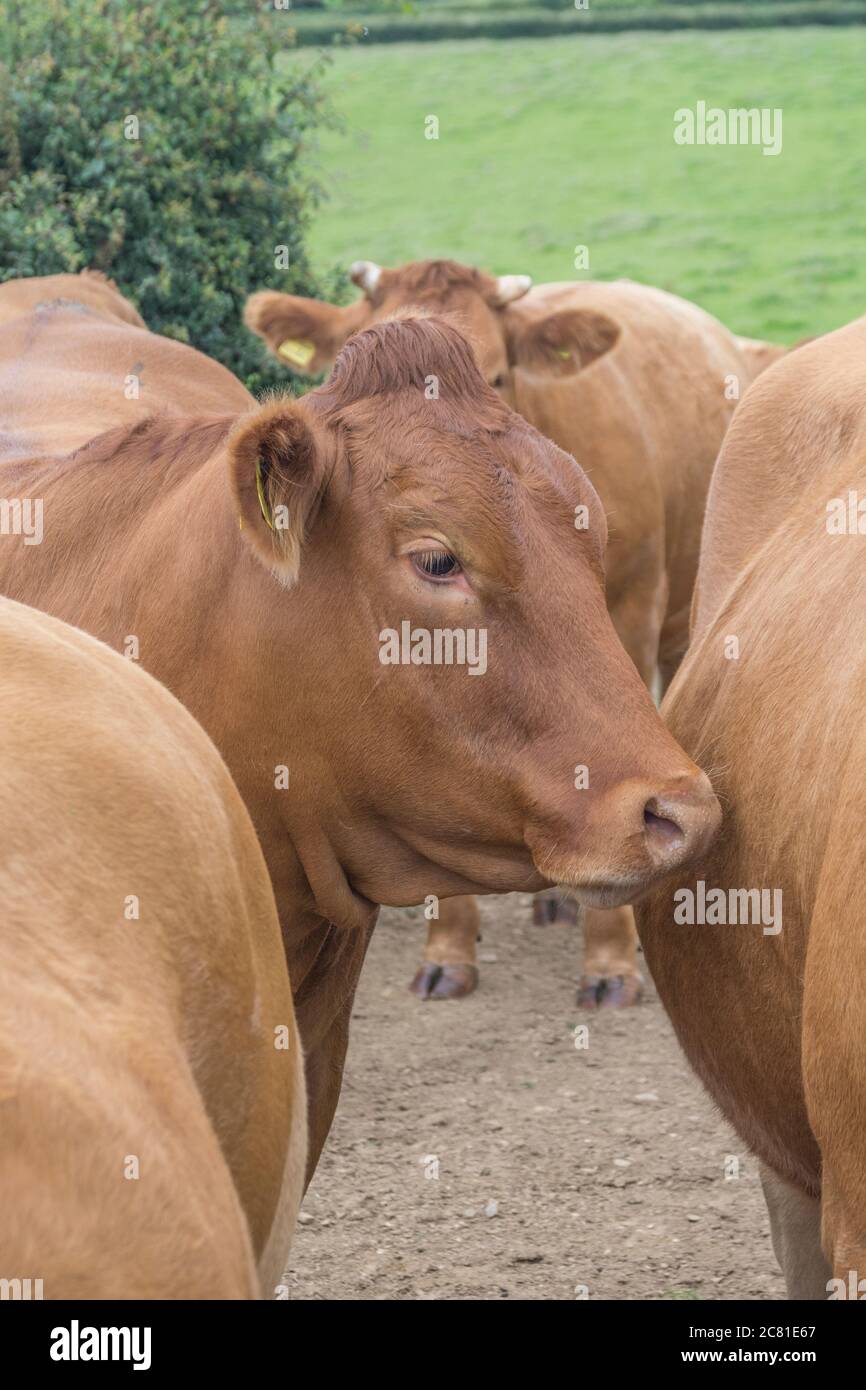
(498, 381)
(436, 564)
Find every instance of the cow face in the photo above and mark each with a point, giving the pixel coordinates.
(506, 331)
(463, 717)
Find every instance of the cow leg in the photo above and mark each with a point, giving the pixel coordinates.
(795, 1227)
(449, 969)
(610, 976)
(554, 905)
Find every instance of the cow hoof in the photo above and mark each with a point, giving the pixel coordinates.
(553, 907)
(609, 991)
(444, 981)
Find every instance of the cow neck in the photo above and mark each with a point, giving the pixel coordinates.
(320, 890)
(310, 882)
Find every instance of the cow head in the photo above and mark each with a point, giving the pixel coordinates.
(456, 710)
(506, 334)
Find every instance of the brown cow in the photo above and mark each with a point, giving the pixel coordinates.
(153, 1135)
(639, 386)
(769, 1007)
(363, 507)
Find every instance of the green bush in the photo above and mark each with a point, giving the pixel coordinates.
(159, 143)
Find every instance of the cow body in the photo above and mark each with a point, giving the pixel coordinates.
(153, 1136)
(256, 555)
(770, 1014)
(639, 386)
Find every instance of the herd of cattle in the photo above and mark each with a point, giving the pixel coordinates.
(177, 846)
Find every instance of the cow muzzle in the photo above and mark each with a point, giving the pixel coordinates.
(629, 838)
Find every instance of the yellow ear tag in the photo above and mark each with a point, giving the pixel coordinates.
(297, 351)
(260, 489)
(563, 352)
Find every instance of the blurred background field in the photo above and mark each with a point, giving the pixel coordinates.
(547, 144)
(257, 163)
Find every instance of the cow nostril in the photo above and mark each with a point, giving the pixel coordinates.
(662, 833)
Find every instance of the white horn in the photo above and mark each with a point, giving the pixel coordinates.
(509, 287)
(366, 275)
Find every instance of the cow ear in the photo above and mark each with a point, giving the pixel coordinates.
(277, 471)
(560, 344)
(305, 334)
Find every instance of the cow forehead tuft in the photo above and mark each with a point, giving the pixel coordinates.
(424, 358)
(425, 280)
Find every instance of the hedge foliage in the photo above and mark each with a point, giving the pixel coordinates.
(362, 25)
(161, 143)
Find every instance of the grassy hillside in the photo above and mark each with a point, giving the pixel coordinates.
(547, 144)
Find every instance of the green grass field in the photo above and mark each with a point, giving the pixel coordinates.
(546, 144)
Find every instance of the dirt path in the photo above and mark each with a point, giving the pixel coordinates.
(558, 1167)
